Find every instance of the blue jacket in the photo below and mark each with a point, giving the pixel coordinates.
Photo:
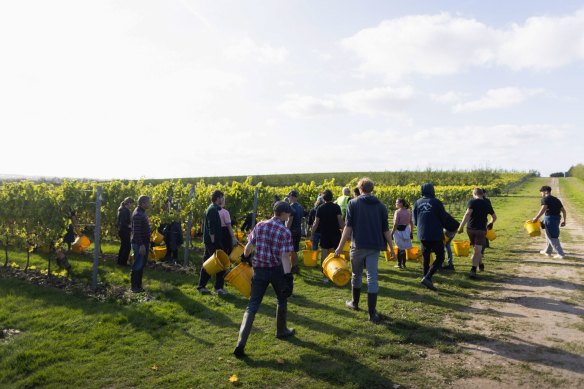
(368, 218)
(429, 215)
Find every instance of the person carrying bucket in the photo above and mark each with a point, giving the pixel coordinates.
(368, 228)
(552, 207)
(212, 238)
(476, 215)
(330, 222)
(272, 242)
(430, 218)
(294, 224)
(402, 230)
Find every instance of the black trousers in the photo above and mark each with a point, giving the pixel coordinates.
(125, 246)
(436, 247)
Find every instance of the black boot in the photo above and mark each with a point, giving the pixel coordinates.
(371, 305)
(244, 331)
(281, 330)
(133, 281)
(137, 281)
(354, 303)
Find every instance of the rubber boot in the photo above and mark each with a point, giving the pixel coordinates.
(244, 332)
(354, 303)
(137, 281)
(281, 330)
(133, 286)
(371, 305)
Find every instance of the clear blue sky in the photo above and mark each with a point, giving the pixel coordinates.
(108, 89)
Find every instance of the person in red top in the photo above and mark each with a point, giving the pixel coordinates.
(273, 246)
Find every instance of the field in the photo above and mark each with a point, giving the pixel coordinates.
(173, 337)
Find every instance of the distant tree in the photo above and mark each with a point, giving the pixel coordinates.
(558, 174)
(576, 171)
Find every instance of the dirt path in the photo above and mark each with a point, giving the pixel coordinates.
(534, 323)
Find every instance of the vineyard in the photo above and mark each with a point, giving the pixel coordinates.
(34, 215)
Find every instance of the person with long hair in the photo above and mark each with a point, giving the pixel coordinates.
(402, 230)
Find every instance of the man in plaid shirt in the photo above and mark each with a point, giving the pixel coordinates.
(271, 263)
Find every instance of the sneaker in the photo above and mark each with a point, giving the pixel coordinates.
(473, 274)
(398, 266)
(481, 267)
(558, 256)
(204, 290)
(545, 253)
(221, 292)
(428, 284)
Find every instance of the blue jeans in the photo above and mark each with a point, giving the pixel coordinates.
(262, 277)
(315, 240)
(552, 234)
(361, 258)
(449, 251)
(139, 260)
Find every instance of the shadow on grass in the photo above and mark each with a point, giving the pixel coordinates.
(333, 365)
(525, 351)
(139, 316)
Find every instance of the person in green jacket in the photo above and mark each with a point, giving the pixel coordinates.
(343, 201)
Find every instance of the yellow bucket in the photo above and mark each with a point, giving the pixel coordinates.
(240, 278)
(461, 247)
(533, 229)
(156, 237)
(216, 263)
(347, 246)
(239, 235)
(387, 256)
(236, 252)
(310, 258)
(337, 270)
(159, 252)
(193, 232)
(491, 234)
(308, 244)
(413, 254)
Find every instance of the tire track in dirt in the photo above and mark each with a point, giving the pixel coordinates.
(532, 335)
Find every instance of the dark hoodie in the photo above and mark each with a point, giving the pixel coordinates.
(368, 218)
(429, 215)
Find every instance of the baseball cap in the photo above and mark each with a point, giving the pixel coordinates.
(293, 193)
(282, 207)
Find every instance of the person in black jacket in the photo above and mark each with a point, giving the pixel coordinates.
(125, 230)
(430, 219)
(212, 237)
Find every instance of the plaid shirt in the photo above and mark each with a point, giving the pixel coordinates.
(271, 239)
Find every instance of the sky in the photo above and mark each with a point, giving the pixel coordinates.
(188, 88)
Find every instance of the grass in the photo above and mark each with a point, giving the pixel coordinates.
(182, 339)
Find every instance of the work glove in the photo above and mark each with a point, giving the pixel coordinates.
(490, 226)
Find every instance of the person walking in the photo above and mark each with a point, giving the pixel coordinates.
(430, 218)
(368, 228)
(272, 242)
(125, 230)
(402, 230)
(476, 215)
(343, 201)
(227, 234)
(554, 210)
(329, 221)
(213, 240)
(314, 234)
(294, 224)
(140, 242)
